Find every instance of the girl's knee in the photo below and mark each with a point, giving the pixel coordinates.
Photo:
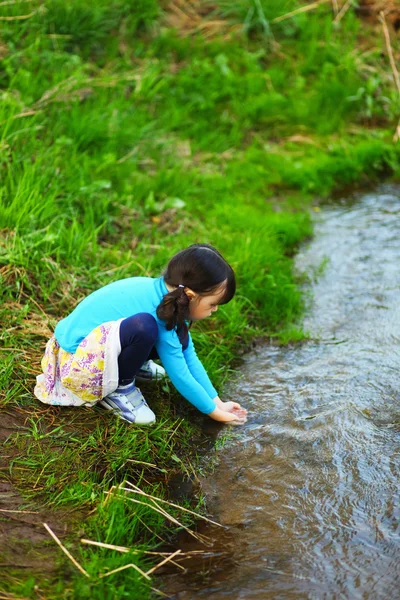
(143, 325)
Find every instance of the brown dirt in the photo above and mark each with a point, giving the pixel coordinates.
(25, 545)
(372, 8)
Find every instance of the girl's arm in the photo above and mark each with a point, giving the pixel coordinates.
(170, 352)
(178, 365)
(200, 374)
(236, 412)
(196, 368)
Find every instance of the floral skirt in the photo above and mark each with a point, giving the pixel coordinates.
(84, 377)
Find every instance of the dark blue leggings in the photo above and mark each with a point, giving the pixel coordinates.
(138, 335)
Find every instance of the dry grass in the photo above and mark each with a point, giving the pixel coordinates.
(190, 17)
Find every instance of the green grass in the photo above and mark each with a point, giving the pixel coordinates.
(123, 141)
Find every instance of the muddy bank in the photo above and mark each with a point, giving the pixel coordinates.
(25, 546)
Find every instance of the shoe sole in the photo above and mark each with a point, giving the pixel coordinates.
(120, 415)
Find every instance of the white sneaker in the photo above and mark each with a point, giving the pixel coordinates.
(130, 405)
(150, 371)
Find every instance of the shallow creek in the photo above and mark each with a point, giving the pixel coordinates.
(309, 487)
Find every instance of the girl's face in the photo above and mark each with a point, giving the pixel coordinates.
(201, 307)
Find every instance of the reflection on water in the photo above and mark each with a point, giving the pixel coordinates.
(310, 486)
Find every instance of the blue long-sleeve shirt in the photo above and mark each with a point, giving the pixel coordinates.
(128, 297)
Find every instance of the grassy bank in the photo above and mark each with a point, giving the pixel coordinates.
(130, 129)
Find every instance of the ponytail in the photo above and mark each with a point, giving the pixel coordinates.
(174, 309)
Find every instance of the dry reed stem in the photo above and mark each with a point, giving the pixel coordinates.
(13, 2)
(335, 7)
(55, 538)
(299, 10)
(151, 531)
(59, 35)
(163, 562)
(31, 512)
(395, 72)
(126, 156)
(132, 262)
(181, 567)
(159, 592)
(343, 11)
(28, 113)
(36, 304)
(59, 92)
(396, 135)
(48, 93)
(139, 491)
(126, 549)
(179, 423)
(180, 12)
(117, 548)
(390, 50)
(203, 539)
(19, 17)
(131, 565)
(210, 24)
(141, 462)
(162, 512)
(11, 597)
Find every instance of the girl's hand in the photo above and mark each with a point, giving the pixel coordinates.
(239, 413)
(235, 416)
(232, 407)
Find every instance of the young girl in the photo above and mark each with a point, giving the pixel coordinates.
(111, 337)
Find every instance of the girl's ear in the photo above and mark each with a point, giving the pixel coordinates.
(190, 293)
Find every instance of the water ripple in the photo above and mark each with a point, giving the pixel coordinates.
(310, 486)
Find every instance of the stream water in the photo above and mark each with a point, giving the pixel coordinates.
(309, 487)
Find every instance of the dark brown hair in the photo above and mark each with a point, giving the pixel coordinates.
(201, 268)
